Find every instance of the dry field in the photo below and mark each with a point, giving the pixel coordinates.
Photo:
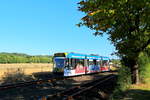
(28, 69)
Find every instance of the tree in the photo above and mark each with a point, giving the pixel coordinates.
(127, 23)
(23, 58)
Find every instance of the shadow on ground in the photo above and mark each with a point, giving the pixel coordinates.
(137, 94)
(43, 75)
(34, 92)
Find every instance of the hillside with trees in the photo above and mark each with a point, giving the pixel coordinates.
(23, 58)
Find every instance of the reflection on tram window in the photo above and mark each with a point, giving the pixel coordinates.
(74, 63)
(79, 63)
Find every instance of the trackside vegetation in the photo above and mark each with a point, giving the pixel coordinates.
(125, 90)
(144, 67)
(6, 58)
(123, 83)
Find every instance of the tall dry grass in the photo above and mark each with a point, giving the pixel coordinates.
(28, 69)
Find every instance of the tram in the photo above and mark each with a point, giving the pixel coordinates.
(71, 64)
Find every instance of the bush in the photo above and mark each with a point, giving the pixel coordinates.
(124, 78)
(144, 67)
(123, 83)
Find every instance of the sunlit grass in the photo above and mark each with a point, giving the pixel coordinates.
(15, 77)
(138, 92)
(113, 68)
(147, 71)
(145, 86)
(27, 68)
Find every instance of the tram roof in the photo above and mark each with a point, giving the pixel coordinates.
(75, 55)
(80, 56)
(93, 57)
(105, 58)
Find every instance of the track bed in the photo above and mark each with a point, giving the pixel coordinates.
(47, 89)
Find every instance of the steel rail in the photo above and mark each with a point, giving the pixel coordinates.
(84, 89)
(77, 90)
(22, 84)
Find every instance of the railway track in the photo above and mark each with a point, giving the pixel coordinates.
(35, 82)
(36, 89)
(24, 84)
(75, 93)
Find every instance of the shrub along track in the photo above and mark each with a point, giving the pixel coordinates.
(39, 88)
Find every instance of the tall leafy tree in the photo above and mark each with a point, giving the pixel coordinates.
(127, 23)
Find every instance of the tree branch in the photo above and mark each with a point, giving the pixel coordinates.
(144, 46)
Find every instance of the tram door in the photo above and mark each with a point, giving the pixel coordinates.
(105, 65)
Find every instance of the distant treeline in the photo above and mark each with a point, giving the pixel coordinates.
(24, 58)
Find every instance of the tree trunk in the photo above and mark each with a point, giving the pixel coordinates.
(133, 65)
(135, 74)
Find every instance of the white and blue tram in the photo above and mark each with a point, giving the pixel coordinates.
(71, 64)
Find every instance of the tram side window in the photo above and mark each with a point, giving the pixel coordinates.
(98, 62)
(73, 63)
(94, 62)
(79, 63)
(70, 63)
(104, 62)
(90, 62)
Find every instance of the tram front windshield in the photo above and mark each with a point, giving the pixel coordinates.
(59, 62)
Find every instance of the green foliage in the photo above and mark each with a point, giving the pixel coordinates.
(125, 21)
(124, 78)
(144, 65)
(23, 58)
(116, 62)
(123, 83)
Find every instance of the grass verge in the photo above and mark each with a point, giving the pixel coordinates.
(138, 92)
